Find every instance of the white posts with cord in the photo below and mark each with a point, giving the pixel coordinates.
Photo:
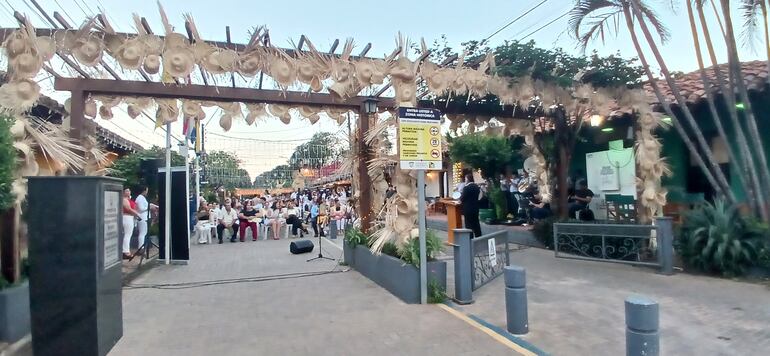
(167, 227)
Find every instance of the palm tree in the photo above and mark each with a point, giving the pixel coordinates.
(604, 11)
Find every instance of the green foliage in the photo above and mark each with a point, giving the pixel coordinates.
(153, 230)
(491, 154)
(127, 167)
(543, 231)
(211, 196)
(7, 163)
(355, 237)
(716, 239)
(410, 251)
(322, 149)
(436, 292)
(223, 169)
(389, 248)
(498, 200)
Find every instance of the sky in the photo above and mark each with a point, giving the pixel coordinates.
(366, 21)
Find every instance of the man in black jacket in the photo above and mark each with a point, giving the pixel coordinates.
(470, 205)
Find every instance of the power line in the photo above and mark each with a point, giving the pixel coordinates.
(514, 20)
(544, 26)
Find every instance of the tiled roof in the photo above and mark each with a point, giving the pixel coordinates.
(692, 89)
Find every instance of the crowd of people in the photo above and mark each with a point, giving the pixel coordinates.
(317, 208)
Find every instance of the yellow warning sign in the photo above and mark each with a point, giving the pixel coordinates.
(419, 138)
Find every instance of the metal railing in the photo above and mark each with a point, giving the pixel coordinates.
(490, 256)
(619, 243)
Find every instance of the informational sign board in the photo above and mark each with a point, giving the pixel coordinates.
(111, 228)
(419, 137)
(492, 246)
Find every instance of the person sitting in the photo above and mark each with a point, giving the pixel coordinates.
(294, 219)
(539, 209)
(248, 218)
(274, 218)
(227, 219)
(582, 198)
(203, 216)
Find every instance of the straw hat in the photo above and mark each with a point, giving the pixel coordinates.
(89, 110)
(438, 81)
(311, 71)
(192, 109)
(403, 69)
(19, 95)
(175, 40)
(130, 54)
(46, 47)
(405, 93)
(105, 112)
(364, 71)
(255, 111)
(18, 129)
(281, 68)
(151, 64)
(281, 112)
(16, 43)
(178, 62)
(249, 65)
(152, 44)
(226, 122)
(87, 50)
(309, 113)
(220, 61)
(168, 110)
(133, 111)
(25, 65)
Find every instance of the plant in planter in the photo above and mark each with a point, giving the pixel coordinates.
(436, 292)
(716, 239)
(410, 252)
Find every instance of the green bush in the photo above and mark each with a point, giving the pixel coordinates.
(355, 237)
(410, 252)
(7, 163)
(543, 231)
(436, 292)
(716, 239)
(389, 248)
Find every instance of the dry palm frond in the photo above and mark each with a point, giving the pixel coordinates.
(377, 130)
(377, 165)
(54, 143)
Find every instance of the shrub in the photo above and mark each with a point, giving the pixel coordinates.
(355, 237)
(436, 292)
(389, 248)
(543, 231)
(410, 252)
(716, 239)
(7, 163)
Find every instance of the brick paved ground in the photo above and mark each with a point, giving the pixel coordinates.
(576, 308)
(332, 314)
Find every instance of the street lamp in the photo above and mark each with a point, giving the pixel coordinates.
(370, 105)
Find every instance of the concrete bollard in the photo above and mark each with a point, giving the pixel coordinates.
(333, 229)
(665, 236)
(516, 300)
(642, 335)
(463, 256)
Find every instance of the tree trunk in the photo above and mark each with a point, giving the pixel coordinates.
(682, 133)
(734, 63)
(9, 245)
(561, 177)
(749, 187)
(729, 96)
(704, 146)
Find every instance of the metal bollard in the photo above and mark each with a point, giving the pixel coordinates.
(642, 336)
(463, 257)
(332, 229)
(516, 300)
(665, 236)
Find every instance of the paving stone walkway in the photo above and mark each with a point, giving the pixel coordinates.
(330, 314)
(576, 308)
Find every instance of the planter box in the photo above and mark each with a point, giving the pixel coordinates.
(14, 313)
(349, 253)
(399, 278)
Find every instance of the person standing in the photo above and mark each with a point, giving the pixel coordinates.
(143, 208)
(129, 216)
(227, 219)
(315, 213)
(469, 198)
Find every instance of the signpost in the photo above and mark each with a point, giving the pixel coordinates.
(419, 138)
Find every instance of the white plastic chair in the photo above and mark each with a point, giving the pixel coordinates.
(204, 231)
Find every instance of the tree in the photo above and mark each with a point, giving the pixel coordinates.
(128, 167)
(599, 13)
(223, 169)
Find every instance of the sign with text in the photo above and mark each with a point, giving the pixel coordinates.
(492, 248)
(112, 215)
(419, 138)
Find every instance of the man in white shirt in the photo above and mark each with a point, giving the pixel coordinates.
(227, 218)
(143, 207)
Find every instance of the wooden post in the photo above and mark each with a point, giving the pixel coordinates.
(364, 183)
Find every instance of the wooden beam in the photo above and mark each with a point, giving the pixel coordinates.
(333, 48)
(206, 93)
(48, 18)
(364, 182)
(227, 36)
(365, 50)
(20, 18)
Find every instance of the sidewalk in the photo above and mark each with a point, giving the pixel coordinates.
(330, 314)
(576, 308)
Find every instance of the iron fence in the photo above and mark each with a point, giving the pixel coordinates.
(620, 243)
(490, 255)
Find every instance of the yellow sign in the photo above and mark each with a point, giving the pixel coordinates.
(419, 138)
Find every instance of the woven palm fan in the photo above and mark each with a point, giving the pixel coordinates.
(168, 110)
(19, 95)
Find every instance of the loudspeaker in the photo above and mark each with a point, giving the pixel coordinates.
(180, 215)
(148, 174)
(301, 246)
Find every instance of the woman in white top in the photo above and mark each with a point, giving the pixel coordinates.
(338, 214)
(293, 218)
(275, 219)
